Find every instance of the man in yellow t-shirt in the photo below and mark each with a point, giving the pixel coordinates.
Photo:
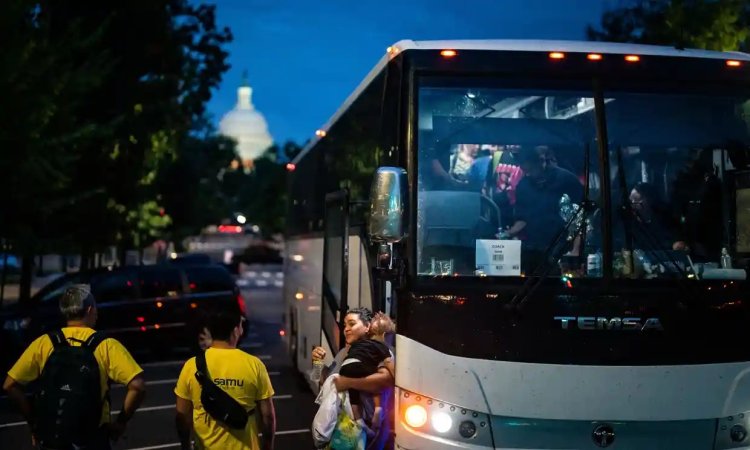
(242, 376)
(78, 307)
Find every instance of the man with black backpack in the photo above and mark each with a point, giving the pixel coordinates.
(222, 392)
(73, 367)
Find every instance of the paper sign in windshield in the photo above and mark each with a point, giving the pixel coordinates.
(498, 257)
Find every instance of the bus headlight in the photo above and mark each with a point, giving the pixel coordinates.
(467, 429)
(731, 432)
(441, 422)
(738, 433)
(431, 417)
(415, 416)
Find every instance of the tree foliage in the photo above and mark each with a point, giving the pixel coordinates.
(99, 99)
(705, 24)
(261, 195)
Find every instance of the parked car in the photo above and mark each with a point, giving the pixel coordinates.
(145, 307)
(190, 259)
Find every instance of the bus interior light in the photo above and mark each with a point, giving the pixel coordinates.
(733, 63)
(448, 53)
(415, 416)
(632, 58)
(557, 55)
(594, 57)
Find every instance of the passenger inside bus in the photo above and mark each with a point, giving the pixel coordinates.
(537, 210)
(461, 160)
(655, 220)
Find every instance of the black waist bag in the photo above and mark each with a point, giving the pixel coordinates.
(217, 403)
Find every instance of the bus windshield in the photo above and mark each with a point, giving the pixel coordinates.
(510, 179)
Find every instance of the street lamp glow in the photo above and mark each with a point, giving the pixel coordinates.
(241, 219)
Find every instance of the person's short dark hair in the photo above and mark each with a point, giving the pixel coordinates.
(75, 301)
(221, 323)
(529, 154)
(365, 315)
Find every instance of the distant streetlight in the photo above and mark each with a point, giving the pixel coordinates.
(241, 219)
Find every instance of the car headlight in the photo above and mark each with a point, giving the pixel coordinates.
(732, 432)
(448, 421)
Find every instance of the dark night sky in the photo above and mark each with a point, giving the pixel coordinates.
(304, 57)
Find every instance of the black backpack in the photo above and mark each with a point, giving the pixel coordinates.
(217, 403)
(68, 403)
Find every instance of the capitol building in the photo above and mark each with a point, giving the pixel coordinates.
(247, 126)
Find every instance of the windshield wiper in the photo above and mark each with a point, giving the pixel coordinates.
(554, 251)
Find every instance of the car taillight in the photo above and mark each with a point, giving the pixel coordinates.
(241, 304)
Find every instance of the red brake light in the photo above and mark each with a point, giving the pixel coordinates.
(140, 319)
(230, 229)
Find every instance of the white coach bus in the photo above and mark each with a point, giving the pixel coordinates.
(561, 230)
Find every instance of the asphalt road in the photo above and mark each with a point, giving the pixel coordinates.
(153, 425)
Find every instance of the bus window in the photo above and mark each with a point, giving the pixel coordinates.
(501, 181)
(671, 161)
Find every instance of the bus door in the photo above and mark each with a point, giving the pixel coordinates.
(335, 269)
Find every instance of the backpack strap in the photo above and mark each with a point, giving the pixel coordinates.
(94, 340)
(204, 378)
(58, 339)
(202, 369)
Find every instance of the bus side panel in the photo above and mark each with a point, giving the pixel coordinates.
(302, 284)
(303, 274)
(359, 276)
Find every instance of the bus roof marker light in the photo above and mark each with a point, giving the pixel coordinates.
(448, 53)
(632, 58)
(557, 55)
(594, 57)
(320, 133)
(733, 63)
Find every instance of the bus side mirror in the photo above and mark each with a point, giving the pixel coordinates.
(389, 210)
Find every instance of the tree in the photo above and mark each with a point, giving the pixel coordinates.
(706, 24)
(190, 183)
(92, 110)
(157, 91)
(42, 129)
(262, 194)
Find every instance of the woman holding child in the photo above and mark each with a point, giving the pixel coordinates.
(366, 367)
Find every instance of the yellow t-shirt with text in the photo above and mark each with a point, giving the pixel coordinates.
(115, 362)
(242, 376)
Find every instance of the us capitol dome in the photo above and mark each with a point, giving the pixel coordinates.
(247, 126)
